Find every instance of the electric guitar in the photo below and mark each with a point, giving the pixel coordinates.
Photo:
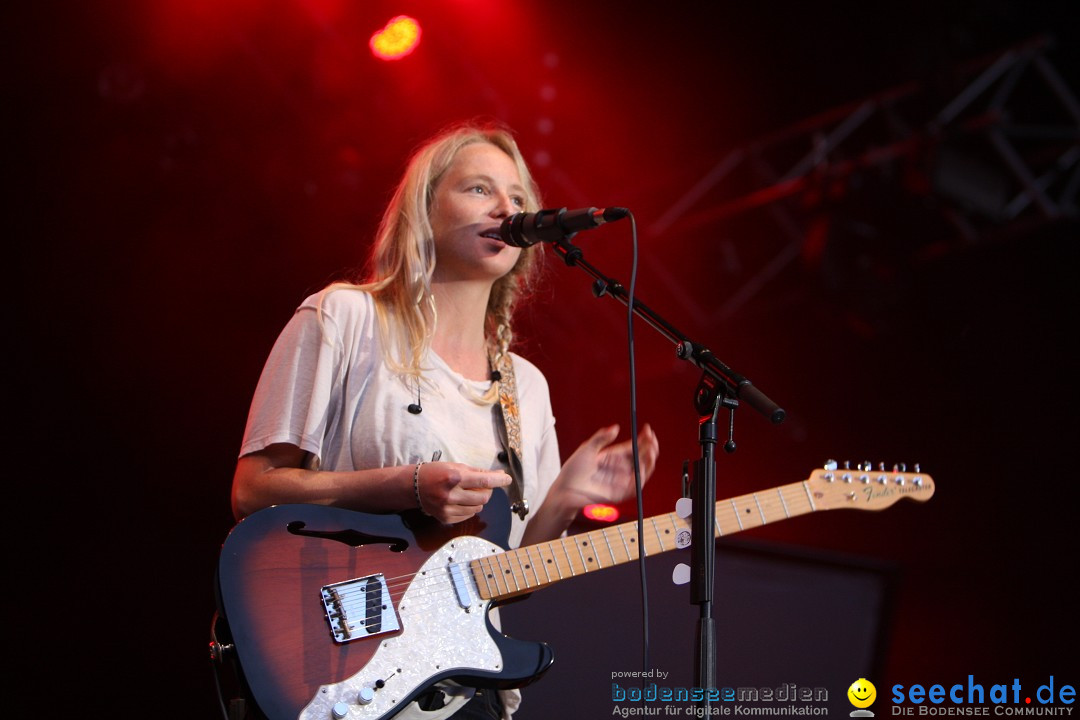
(335, 613)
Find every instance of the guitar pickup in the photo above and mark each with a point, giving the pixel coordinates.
(359, 608)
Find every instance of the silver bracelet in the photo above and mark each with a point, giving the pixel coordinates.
(416, 486)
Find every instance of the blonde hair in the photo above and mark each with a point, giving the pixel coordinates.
(403, 257)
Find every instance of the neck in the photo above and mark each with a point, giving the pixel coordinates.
(459, 331)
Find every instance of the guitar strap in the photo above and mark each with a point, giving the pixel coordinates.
(509, 429)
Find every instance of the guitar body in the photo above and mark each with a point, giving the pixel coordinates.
(329, 606)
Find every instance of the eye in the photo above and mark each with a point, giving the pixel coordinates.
(518, 201)
(478, 190)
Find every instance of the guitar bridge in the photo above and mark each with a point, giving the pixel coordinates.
(359, 608)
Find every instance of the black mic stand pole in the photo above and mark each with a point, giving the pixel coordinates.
(719, 386)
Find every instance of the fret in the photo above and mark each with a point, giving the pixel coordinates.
(528, 552)
(737, 518)
(614, 560)
(519, 573)
(555, 559)
(562, 543)
(548, 563)
(623, 539)
(581, 553)
(494, 575)
(506, 570)
(809, 497)
(525, 564)
(523, 568)
(530, 565)
(780, 493)
(760, 511)
(479, 574)
(675, 524)
(659, 537)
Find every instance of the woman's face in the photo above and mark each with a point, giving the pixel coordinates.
(479, 189)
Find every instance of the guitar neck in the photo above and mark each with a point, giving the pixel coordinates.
(515, 572)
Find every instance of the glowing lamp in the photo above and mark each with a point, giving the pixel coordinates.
(399, 38)
(601, 513)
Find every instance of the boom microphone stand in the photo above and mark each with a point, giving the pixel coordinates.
(720, 386)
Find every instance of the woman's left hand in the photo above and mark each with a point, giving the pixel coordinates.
(602, 472)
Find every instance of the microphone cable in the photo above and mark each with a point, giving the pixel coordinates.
(634, 445)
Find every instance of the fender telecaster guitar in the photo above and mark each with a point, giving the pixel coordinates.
(335, 613)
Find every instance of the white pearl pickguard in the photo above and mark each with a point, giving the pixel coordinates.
(438, 635)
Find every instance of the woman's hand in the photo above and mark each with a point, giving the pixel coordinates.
(452, 492)
(597, 472)
(600, 472)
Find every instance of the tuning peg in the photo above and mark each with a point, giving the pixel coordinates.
(917, 480)
(830, 465)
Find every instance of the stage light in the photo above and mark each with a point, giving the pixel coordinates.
(399, 38)
(601, 513)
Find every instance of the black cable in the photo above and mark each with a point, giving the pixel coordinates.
(634, 445)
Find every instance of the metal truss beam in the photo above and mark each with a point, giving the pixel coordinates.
(1000, 151)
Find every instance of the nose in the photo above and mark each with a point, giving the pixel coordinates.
(504, 206)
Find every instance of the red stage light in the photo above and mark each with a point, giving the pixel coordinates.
(399, 38)
(601, 513)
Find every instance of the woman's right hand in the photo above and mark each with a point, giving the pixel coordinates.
(453, 492)
(449, 492)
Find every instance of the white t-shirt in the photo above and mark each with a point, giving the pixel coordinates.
(326, 389)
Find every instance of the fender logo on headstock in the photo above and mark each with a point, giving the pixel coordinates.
(874, 493)
(868, 489)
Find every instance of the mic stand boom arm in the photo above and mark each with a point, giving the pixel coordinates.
(730, 382)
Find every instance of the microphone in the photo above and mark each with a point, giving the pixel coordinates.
(526, 229)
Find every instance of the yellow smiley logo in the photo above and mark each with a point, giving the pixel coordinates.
(862, 693)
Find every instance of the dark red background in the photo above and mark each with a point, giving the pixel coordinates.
(186, 172)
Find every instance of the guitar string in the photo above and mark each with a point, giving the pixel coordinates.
(767, 503)
(397, 587)
(434, 586)
(521, 558)
(437, 584)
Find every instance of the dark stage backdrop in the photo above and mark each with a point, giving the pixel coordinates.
(783, 618)
(185, 173)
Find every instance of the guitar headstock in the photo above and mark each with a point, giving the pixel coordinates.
(865, 488)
